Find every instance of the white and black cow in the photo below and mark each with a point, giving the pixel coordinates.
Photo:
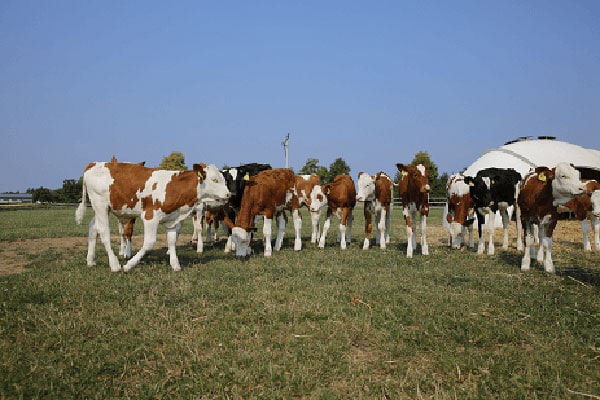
(493, 189)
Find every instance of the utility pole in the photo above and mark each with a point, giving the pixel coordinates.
(286, 149)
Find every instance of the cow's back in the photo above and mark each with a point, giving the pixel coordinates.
(264, 194)
(342, 192)
(122, 182)
(383, 189)
(535, 196)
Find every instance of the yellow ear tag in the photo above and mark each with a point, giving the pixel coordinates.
(471, 184)
(542, 177)
(200, 176)
(493, 182)
(327, 191)
(404, 173)
(247, 176)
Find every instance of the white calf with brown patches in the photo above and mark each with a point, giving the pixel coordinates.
(155, 196)
(340, 198)
(376, 193)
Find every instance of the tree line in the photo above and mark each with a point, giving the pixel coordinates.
(71, 190)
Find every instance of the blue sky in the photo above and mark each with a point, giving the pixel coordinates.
(373, 82)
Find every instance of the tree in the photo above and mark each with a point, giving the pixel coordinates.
(70, 191)
(41, 194)
(422, 157)
(338, 167)
(312, 167)
(174, 162)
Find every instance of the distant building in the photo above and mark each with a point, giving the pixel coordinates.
(13, 198)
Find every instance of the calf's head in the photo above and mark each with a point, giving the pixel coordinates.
(318, 197)
(595, 197)
(211, 183)
(566, 184)
(413, 179)
(479, 189)
(366, 187)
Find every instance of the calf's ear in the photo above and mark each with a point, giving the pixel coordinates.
(400, 166)
(200, 170)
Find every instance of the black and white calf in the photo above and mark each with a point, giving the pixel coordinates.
(493, 189)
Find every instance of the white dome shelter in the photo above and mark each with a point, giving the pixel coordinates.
(526, 153)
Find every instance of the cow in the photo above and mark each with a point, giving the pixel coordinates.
(493, 190)
(413, 188)
(235, 178)
(269, 193)
(461, 211)
(154, 195)
(211, 216)
(340, 198)
(126, 233)
(376, 193)
(305, 184)
(587, 207)
(542, 191)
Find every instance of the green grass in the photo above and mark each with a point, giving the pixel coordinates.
(321, 324)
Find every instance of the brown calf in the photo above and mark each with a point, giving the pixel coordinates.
(413, 189)
(268, 193)
(376, 193)
(340, 198)
(541, 192)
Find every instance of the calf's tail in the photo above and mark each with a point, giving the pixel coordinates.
(80, 213)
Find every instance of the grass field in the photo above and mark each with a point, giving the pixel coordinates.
(315, 324)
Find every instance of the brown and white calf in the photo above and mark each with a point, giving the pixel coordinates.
(413, 189)
(305, 184)
(541, 192)
(376, 193)
(340, 198)
(211, 216)
(155, 196)
(235, 178)
(587, 207)
(460, 211)
(269, 193)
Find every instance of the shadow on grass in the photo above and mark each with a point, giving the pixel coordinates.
(512, 259)
(581, 274)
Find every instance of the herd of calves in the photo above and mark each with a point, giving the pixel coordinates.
(239, 196)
